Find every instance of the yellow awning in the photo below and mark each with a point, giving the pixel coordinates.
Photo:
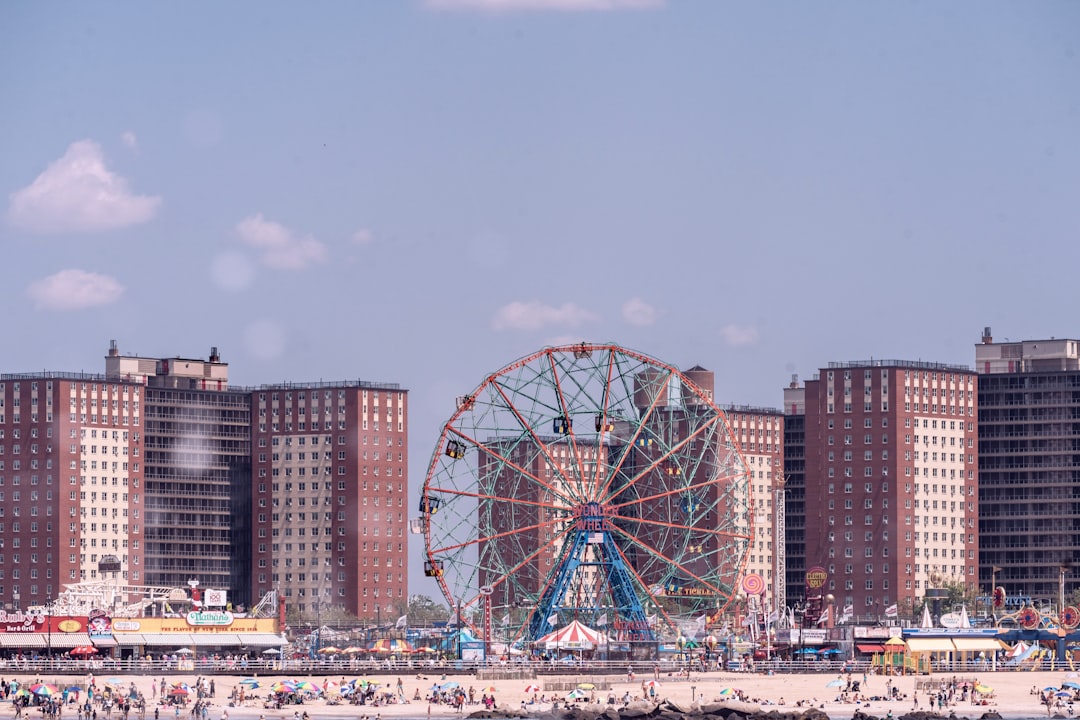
(977, 644)
(930, 645)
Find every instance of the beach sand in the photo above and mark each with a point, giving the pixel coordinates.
(1012, 693)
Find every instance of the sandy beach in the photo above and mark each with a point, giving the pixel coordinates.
(1012, 695)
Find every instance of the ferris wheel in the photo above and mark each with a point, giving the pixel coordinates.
(590, 483)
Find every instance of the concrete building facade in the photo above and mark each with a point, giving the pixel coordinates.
(1029, 466)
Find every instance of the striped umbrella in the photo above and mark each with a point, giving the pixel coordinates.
(387, 645)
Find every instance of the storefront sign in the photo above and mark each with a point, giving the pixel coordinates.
(21, 621)
(210, 617)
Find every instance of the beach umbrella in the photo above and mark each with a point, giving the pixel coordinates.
(73, 690)
(726, 692)
(330, 650)
(1045, 689)
(489, 689)
(308, 686)
(250, 683)
(984, 689)
(652, 683)
(352, 649)
(533, 688)
(1071, 685)
(283, 686)
(835, 684)
(390, 645)
(575, 694)
(44, 689)
(178, 691)
(22, 692)
(271, 651)
(449, 685)
(114, 681)
(83, 650)
(586, 686)
(1063, 693)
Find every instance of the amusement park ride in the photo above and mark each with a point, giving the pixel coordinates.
(586, 483)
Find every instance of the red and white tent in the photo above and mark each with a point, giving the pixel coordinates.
(574, 636)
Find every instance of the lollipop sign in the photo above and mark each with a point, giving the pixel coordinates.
(753, 584)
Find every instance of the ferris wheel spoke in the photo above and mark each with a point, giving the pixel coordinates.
(671, 493)
(523, 473)
(476, 541)
(538, 441)
(681, 566)
(653, 403)
(675, 451)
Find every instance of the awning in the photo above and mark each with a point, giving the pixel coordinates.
(171, 639)
(930, 645)
(69, 640)
(871, 648)
(105, 642)
(977, 644)
(22, 640)
(215, 639)
(261, 640)
(129, 639)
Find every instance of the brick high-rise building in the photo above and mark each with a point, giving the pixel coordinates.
(1029, 445)
(892, 480)
(330, 488)
(71, 483)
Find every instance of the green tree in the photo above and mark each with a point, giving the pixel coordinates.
(422, 610)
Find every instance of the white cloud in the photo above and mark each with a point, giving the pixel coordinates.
(638, 312)
(279, 247)
(570, 5)
(130, 141)
(363, 236)
(535, 315)
(77, 193)
(739, 335)
(74, 290)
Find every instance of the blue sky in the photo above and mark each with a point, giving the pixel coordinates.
(421, 192)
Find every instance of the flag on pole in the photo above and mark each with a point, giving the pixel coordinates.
(824, 616)
(890, 611)
(505, 620)
(553, 618)
(401, 622)
(602, 620)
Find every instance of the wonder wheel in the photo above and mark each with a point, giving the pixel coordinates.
(588, 483)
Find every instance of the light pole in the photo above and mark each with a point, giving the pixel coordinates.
(459, 625)
(318, 629)
(49, 630)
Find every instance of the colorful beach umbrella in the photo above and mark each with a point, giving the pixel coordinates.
(726, 692)
(983, 688)
(533, 688)
(308, 686)
(388, 645)
(251, 683)
(44, 689)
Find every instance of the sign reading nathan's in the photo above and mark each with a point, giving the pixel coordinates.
(210, 617)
